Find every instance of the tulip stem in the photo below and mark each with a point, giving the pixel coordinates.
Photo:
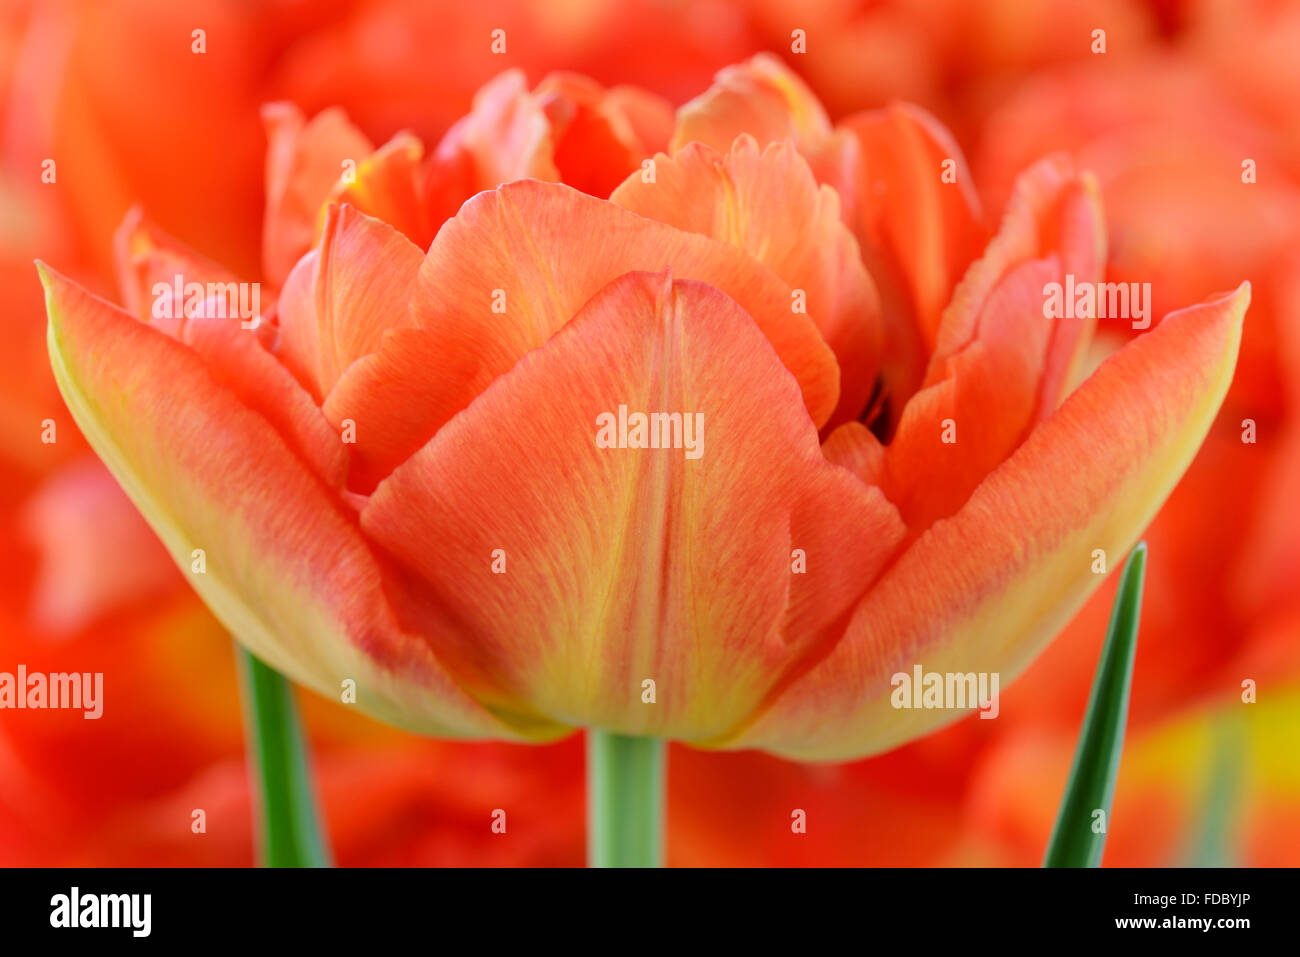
(289, 833)
(625, 800)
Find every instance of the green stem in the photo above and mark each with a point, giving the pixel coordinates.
(625, 801)
(289, 832)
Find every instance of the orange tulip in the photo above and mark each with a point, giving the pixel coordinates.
(403, 476)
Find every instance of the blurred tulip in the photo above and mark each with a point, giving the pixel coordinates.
(1265, 81)
(956, 58)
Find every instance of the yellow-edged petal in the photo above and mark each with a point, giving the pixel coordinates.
(272, 553)
(985, 590)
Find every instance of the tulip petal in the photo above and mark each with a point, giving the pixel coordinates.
(928, 228)
(343, 295)
(953, 433)
(386, 185)
(855, 447)
(304, 164)
(393, 400)
(506, 274)
(506, 133)
(597, 134)
(761, 97)
(506, 136)
(767, 203)
(1000, 364)
(649, 117)
(918, 233)
(286, 570)
(237, 360)
(624, 564)
(986, 589)
(146, 257)
(1052, 209)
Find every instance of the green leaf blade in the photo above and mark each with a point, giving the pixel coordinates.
(1076, 840)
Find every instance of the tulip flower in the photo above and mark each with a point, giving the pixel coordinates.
(396, 482)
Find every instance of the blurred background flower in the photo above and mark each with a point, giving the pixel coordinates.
(1185, 93)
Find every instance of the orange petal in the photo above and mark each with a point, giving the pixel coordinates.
(855, 447)
(1052, 209)
(985, 590)
(285, 570)
(386, 185)
(768, 204)
(148, 259)
(649, 117)
(953, 433)
(618, 565)
(507, 273)
(596, 144)
(505, 137)
(237, 360)
(999, 363)
(761, 97)
(305, 162)
(918, 233)
(395, 399)
(343, 295)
